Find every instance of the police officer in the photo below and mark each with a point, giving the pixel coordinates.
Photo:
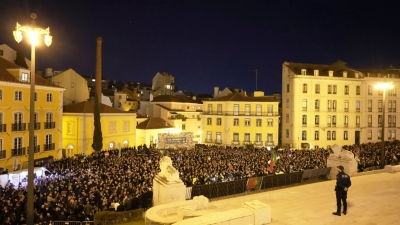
(343, 183)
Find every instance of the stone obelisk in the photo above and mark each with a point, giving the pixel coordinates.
(98, 69)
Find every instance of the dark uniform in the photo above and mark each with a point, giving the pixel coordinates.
(343, 182)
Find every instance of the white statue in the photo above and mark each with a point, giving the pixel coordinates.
(168, 172)
(340, 153)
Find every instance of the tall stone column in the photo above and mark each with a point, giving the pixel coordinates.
(98, 68)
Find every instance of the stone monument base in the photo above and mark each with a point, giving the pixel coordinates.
(350, 166)
(167, 192)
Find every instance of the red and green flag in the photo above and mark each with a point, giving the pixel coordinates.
(272, 161)
(254, 183)
(230, 165)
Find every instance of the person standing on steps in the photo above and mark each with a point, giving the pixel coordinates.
(343, 183)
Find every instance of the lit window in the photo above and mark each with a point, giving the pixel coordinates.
(247, 122)
(219, 121)
(24, 77)
(18, 96)
(258, 122)
(235, 122)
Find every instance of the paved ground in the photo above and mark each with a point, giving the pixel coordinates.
(372, 199)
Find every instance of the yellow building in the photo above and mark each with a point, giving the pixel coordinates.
(127, 99)
(118, 128)
(323, 105)
(14, 117)
(163, 84)
(240, 120)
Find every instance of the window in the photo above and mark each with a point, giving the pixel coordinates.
(369, 105)
(304, 120)
(346, 135)
(126, 126)
(334, 89)
(304, 88)
(18, 96)
(219, 121)
(247, 137)
(270, 138)
(270, 123)
(17, 150)
(112, 126)
(287, 103)
(317, 105)
(394, 106)
(258, 110)
(317, 120)
(258, 137)
(49, 142)
(369, 90)
(247, 122)
(394, 121)
(287, 133)
(379, 120)
(219, 138)
(346, 105)
(390, 106)
(317, 89)
(258, 122)
(333, 135)
(287, 118)
(389, 120)
(379, 105)
(346, 89)
(210, 109)
(369, 135)
(329, 105)
(369, 120)
(1, 95)
(333, 121)
(247, 109)
(35, 96)
(303, 72)
(209, 135)
(236, 109)
(334, 105)
(357, 121)
(379, 134)
(49, 97)
(23, 77)
(329, 89)
(358, 90)
(2, 152)
(236, 137)
(235, 122)
(270, 110)
(346, 121)
(316, 135)
(358, 106)
(287, 88)
(329, 121)
(70, 128)
(219, 109)
(328, 135)
(304, 135)
(183, 126)
(209, 121)
(304, 104)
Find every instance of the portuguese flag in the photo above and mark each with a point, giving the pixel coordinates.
(254, 183)
(272, 162)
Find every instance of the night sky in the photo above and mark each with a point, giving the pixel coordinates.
(208, 43)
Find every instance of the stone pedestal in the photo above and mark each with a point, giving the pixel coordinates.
(350, 165)
(165, 191)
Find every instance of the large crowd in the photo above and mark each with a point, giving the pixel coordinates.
(78, 187)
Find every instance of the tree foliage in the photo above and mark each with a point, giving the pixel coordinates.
(97, 134)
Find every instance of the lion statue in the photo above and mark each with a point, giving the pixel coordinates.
(168, 172)
(340, 153)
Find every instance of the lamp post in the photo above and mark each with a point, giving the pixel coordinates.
(383, 86)
(33, 33)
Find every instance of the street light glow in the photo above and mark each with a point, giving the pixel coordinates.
(384, 85)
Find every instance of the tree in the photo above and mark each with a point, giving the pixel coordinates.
(97, 134)
(20, 58)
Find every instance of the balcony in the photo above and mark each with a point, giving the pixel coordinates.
(3, 154)
(235, 142)
(269, 143)
(36, 149)
(18, 151)
(258, 143)
(49, 147)
(18, 127)
(3, 128)
(49, 125)
(241, 113)
(247, 142)
(36, 126)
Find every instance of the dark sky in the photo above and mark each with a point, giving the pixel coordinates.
(208, 43)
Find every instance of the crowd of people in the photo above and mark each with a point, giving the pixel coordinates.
(80, 186)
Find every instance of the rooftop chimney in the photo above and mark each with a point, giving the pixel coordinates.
(98, 69)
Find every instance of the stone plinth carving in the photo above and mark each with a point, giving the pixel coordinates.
(344, 158)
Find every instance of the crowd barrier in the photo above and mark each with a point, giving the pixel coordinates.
(73, 223)
(222, 189)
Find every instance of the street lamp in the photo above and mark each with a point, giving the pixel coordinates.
(383, 86)
(33, 33)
